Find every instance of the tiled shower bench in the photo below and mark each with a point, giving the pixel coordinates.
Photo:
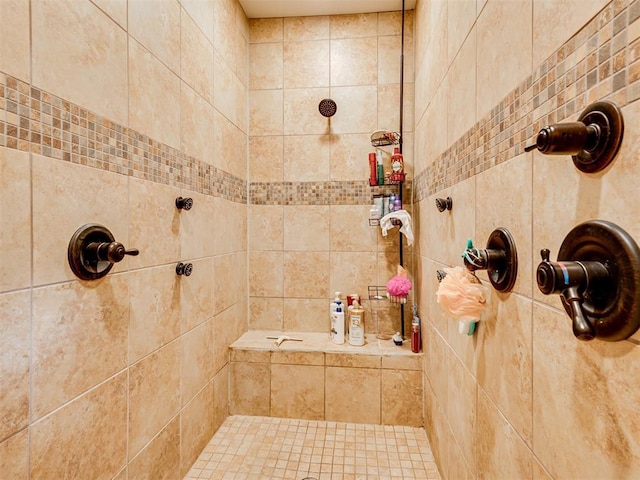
(378, 383)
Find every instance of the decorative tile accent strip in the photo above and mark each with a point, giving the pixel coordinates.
(599, 62)
(38, 122)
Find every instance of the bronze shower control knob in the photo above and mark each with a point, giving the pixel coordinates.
(593, 141)
(443, 204)
(184, 269)
(184, 203)
(93, 250)
(499, 259)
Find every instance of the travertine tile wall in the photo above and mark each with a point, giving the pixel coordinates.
(522, 398)
(309, 195)
(109, 110)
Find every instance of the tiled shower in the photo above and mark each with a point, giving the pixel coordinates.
(110, 109)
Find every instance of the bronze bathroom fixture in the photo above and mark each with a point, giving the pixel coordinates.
(184, 269)
(184, 203)
(443, 204)
(500, 259)
(327, 107)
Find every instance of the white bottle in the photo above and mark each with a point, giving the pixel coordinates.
(356, 325)
(337, 325)
(333, 309)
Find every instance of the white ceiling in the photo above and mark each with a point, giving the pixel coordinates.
(302, 8)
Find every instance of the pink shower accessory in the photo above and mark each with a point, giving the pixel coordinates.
(399, 286)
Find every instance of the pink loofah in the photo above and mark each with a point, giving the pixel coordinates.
(399, 286)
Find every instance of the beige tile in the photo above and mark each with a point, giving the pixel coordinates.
(301, 116)
(116, 9)
(350, 231)
(241, 45)
(230, 279)
(497, 440)
(403, 362)
(154, 223)
(356, 25)
(197, 294)
(266, 313)
(229, 93)
(220, 397)
(306, 315)
(201, 13)
(160, 459)
(430, 142)
(295, 358)
(266, 227)
(462, 90)
(462, 16)
(233, 237)
(306, 274)
(480, 4)
(61, 314)
(83, 62)
(306, 28)
(196, 422)
(560, 23)
(354, 61)
(249, 388)
(352, 271)
(15, 42)
(90, 435)
(390, 23)
(306, 64)
(201, 223)
(154, 295)
(157, 26)
(401, 397)
(435, 55)
(15, 224)
(153, 90)
(250, 356)
(349, 158)
(539, 472)
(228, 327)
(352, 395)
(457, 465)
(505, 375)
(306, 228)
(196, 57)
(197, 360)
(224, 29)
(154, 386)
(595, 378)
(351, 360)
(388, 59)
(60, 193)
(266, 30)
(307, 158)
(15, 340)
(297, 391)
(389, 113)
(359, 112)
(504, 45)
(436, 365)
(266, 112)
(267, 66)
(230, 147)
(197, 123)
(461, 406)
(14, 456)
(266, 159)
(266, 274)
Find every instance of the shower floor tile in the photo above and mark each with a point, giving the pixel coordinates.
(278, 448)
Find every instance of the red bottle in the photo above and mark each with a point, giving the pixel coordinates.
(373, 170)
(415, 338)
(397, 166)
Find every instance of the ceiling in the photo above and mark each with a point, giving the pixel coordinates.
(302, 8)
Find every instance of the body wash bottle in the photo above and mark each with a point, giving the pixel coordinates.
(356, 325)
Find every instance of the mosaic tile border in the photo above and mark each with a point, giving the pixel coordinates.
(597, 63)
(36, 121)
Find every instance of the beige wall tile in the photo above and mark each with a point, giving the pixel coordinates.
(349, 157)
(154, 295)
(437, 365)
(297, 391)
(83, 62)
(14, 456)
(596, 379)
(301, 116)
(352, 395)
(306, 228)
(15, 39)
(296, 358)
(233, 216)
(265, 30)
(389, 113)
(197, 123)
(154, 223)
(197, 294)
(306, 274)
(504, 45)
(390, 23)
(266, 159)
(266, 112)
(116, 9)
(229, 279)
(201, 223)
(224, 29)
(228, 327)
(306, 64)
(306, 158)
(229, 93)
(157, 26)
(61, 314)
(153, 90)
(305, 315)
(356, 25)
(359, 114)
(351, 360)
(462, 16)
(266, 274)
(350, 231)
(196, 57)
(249, 391)
(201, 13)
(354, 61)
(266, 227)
(306, 28)
(66, 197)
(435, 57)
(220, 397)
(161, 457)
(401, 397)
(267, 64)
(15, 341)
(403, 362)
(90, 435)
(196, 422)
(266, 313)
(154, 386)
(352, 271)
(389, 51)
(462, 90)
(15, 223)
(197, 360)
(230, 147)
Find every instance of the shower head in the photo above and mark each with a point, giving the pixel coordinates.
(327, 107)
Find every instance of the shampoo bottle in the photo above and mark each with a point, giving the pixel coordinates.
(397, 166)
(337, 325)
(416, 339)
(356, 325)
